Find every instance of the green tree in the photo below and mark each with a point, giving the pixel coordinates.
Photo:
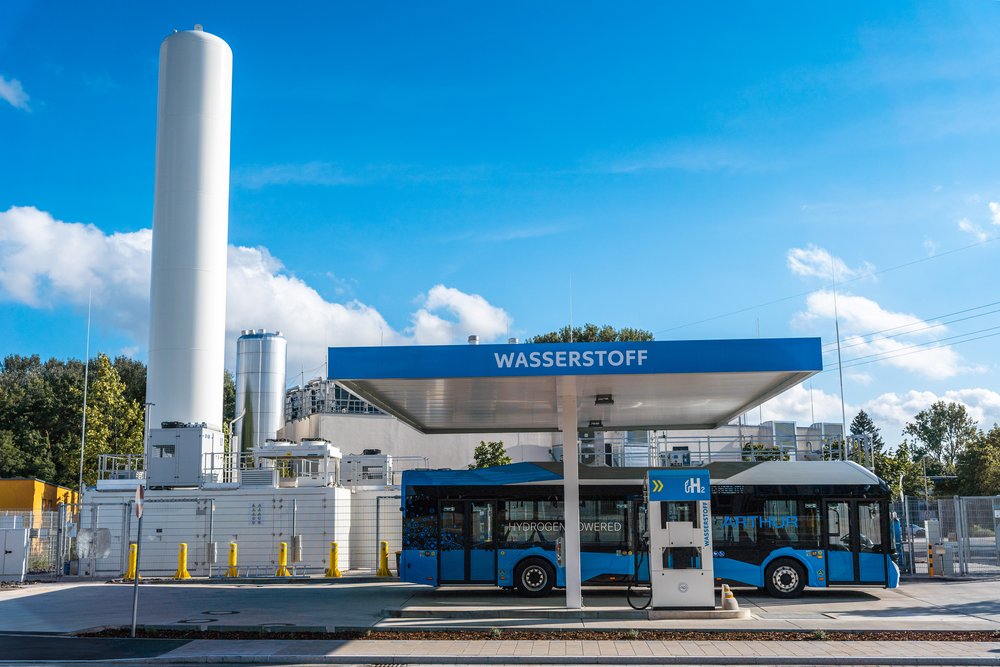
(13, 461)
(591, 333)
(114, 423)
(133, 375)
(862, 424)
(40, 408)
(228, 398)
(489, 454)
(943, 431)
(978, 466)
(763, 451)
(890, 465)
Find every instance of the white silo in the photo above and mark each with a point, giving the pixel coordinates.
(190, 230)
(260, 387)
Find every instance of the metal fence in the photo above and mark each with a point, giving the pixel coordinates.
(43, 550)
(95, 537)
(958, 536)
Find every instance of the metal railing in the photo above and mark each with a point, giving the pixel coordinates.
(697, 450)
(121, 466)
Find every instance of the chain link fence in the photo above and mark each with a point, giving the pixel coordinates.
(43, 551)
(958, 536)
(93, 539)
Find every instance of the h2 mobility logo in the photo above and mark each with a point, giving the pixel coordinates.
(693, 485)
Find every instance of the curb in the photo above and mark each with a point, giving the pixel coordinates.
(306, 659)
(256, 581)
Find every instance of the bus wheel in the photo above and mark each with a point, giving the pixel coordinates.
(534, 577)
(785, 578)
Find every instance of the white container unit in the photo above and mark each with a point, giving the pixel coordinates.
(190, 230)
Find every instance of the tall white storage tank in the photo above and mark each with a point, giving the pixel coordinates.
(190, 230)
(260, 386)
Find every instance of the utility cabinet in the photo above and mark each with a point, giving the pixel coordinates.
(183, 456)
(14, 554)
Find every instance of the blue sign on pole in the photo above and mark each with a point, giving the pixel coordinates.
(679, 484)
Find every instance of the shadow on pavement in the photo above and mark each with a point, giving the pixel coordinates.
(34, 647)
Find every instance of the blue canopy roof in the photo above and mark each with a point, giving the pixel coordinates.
(643, 385)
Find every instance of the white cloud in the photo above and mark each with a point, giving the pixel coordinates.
(860, 316)
(800, 404)
(972, 229)
(12, 92)
(472, 313)
(816, 262)
(931, 247)
(46, 263)
(892, 411)
(995, 212)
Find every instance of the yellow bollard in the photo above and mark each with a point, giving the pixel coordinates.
(383, 560)
(930, 561)
(282, 560)
(233, 570)
(182, 562)
(133, 552)
(333, 570)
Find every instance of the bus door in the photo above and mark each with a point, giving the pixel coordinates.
(466, 551)
(856, 542)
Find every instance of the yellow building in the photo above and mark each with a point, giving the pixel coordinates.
(25, 494)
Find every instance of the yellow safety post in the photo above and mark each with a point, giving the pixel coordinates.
(332, 570)
(130, 573)
(383, 560)
(930, 561)
(182, 562)
(233, 570)
(729, 602)
(282, 560)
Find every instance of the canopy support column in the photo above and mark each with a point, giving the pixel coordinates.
(568, 420)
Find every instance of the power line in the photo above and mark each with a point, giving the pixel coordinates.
(844, 282)
(893, 356)
(914, 349)
(913, 331)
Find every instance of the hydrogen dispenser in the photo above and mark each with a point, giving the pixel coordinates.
(681, 572)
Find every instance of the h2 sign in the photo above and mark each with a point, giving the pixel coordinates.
(679, 484)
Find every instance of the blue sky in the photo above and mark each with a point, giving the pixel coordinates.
(418, 172)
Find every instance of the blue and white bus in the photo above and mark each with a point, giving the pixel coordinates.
(778, 525)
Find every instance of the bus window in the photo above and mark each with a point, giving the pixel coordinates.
(603, 523)
(791, 523)
(735, 520)
(870, 524)
(838, 526)
(523, 523)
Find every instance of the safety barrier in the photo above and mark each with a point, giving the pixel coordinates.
(133, 555)
(182, 562)
(383, 560)
(332, 570)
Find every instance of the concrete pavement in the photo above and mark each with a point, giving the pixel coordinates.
(73, 607)
(502, 651)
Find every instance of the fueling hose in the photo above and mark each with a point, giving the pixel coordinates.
(643, 549)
